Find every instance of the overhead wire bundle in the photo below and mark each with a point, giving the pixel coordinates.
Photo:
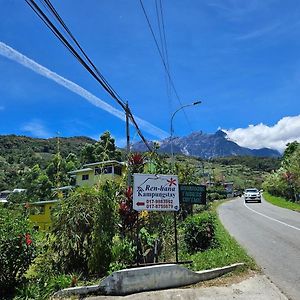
(71, 43)
(162, 49)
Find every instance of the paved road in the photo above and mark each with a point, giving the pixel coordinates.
(271, 235)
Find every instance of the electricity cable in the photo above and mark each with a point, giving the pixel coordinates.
(162, 58)
(95, 73)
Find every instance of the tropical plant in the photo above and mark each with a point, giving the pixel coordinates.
(199, 232)
(17, 248)
(83, 229)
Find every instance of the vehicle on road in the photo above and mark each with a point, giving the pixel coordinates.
(252, 194)
(238, 193)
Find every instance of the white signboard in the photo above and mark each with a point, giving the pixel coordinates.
(155, 192)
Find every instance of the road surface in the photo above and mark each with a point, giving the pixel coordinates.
(271, 235)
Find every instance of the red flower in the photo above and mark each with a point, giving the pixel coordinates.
(128, 193)
(28, 240)
(136, 159)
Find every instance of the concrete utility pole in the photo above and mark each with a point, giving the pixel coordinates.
(127, 143)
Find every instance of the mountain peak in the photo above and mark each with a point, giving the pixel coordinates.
(220, 133)
(204, 145)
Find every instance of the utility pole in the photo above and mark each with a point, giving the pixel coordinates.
(127, 144)
(173, 168)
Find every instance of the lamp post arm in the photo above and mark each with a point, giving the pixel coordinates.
(171, 129)
(173, 115)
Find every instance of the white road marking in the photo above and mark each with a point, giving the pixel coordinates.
(285, 224)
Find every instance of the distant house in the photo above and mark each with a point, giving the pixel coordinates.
(97, 172)
(4, 195)
(63, 190)
(40, 214)
(228, 186)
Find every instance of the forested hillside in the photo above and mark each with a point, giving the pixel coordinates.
(19, 153)
(24, 160)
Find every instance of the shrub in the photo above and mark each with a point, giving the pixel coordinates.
(83, 228)
(17, 248)
(199, 232)
(123, 254)
(42, 289)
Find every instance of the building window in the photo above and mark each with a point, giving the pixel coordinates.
(118, 170)
(103, 170)
(37, 210)
(85, 177)
(107, 170)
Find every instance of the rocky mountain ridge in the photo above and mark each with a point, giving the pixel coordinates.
(205, 145)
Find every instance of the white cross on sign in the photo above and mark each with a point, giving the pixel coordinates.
(155, 192)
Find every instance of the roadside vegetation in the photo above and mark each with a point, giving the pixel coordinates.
(283, 185)
(94, 229)
(281, 202)
(220, 248)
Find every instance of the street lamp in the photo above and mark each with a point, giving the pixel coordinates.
(172, 130)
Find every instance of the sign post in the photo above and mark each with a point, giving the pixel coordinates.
(153, 192)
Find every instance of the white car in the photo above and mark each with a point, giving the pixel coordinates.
(252, 195)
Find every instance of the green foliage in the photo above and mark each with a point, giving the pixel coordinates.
(37, 183)
(216, 193)
(123, 253)
(265, 164)
(43, 288)
(57, 171)
(187, 174)
(102, 150)
(84, 226)
(18, 153)
(157, 164)
(17, 248)
(226, 252)
(281, 202)
(290, 150)
(199, 232)
(104, 229)
(285, 182)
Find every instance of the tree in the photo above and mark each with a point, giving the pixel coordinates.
(87, 154)
(57, 171)
(37, 184)
(285, 182)
(103, 150)
(290, 149)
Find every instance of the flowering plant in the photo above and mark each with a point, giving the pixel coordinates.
(16, 249)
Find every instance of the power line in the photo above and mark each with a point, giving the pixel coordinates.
(85, 61)
(163, 42)
(163, 60)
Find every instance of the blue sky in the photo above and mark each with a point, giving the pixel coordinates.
(241, 58)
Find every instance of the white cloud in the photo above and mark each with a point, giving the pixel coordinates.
(276, 137)
(36, 128)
